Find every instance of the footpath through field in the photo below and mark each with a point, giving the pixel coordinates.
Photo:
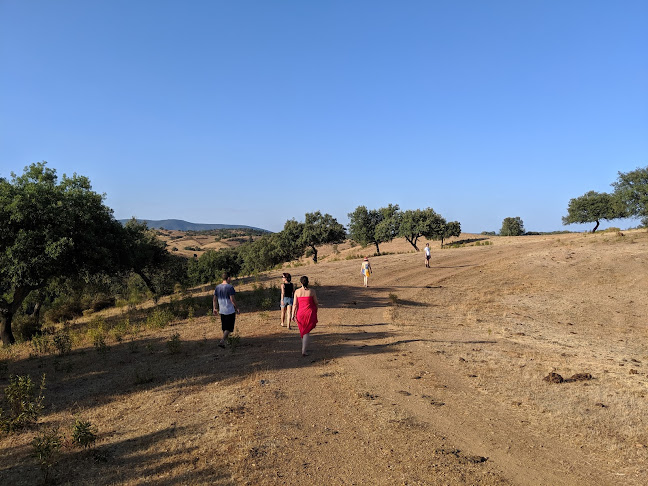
(384, 397)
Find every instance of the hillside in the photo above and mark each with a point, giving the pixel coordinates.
(429, 376)
(181, 225)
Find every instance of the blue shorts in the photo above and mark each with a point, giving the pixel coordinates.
(287, 301)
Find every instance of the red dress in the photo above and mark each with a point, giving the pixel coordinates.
(306, 316)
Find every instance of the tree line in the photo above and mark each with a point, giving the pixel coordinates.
(57, 238)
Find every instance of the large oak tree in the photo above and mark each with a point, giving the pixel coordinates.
(60, 229)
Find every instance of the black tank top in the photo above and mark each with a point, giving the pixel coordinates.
(289, 290)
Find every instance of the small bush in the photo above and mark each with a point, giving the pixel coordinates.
(102, 302)
(46, 448)
(84, 434)
(23, 403)
(100, 344)
(65, 311)
(174, 344)
(41, 343)
(63, 343)
(393, 299)
(159, 318)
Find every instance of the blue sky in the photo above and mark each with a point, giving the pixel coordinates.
(256, 112)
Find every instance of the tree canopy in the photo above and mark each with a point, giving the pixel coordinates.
(320, 229)
(413, 224)
(59, 229)
(512, 227)
(372, 226)
(631, 188)
(592, 207)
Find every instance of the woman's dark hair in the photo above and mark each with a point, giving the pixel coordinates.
(304, 281)
(287, 276)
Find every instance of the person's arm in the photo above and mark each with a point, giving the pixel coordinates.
(215, 304)
(283, 292)
(234, 304)
(295, 305)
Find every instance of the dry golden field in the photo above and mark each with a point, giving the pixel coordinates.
(429, 376)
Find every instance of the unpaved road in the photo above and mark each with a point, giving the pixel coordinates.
(446, 386)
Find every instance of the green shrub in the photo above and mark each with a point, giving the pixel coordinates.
(63, 343)
(159, 318)
(100, 344)
(174, 344)
(84, 434)
(46, 448)
(23, 403)
(41, 343)
(65, 311)
(101, 302)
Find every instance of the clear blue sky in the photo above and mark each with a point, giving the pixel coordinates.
(256, 112)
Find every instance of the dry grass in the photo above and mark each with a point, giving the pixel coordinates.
(410, 380)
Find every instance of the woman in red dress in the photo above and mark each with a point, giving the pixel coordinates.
(305, 312)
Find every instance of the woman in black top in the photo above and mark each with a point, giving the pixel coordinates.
(287, 292)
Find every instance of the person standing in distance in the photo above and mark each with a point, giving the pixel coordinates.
(365, 268)
(427, 255)
(225, 305)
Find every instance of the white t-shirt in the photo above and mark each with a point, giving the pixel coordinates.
(427, 251)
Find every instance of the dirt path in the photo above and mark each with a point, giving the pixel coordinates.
(392, 395)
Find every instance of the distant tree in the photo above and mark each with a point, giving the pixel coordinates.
(512, 227)
(372, 226)
(321, 229)
(414, 224)
(448, 230)
(288, 242)
(210, 265)
(631, 188)
(51, 229)
(593, 207)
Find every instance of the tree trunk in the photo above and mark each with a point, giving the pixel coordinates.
(147, 282)
(596, 227)
(7, 311)
(5, 327)
(412, 242)
(377, 249)
(314, 254)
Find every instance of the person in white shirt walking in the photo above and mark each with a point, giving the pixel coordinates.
(427, 255)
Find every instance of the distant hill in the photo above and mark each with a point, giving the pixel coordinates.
(180, 225)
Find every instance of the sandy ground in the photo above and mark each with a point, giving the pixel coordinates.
(428, 376)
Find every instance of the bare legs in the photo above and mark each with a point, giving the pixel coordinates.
(305, 340)
(286, 312)
(366, 281)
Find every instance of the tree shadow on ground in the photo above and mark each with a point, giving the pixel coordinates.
(129, 460)
(349, 297)
(87, 379)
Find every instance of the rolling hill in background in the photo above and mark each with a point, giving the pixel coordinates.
(180, 225)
